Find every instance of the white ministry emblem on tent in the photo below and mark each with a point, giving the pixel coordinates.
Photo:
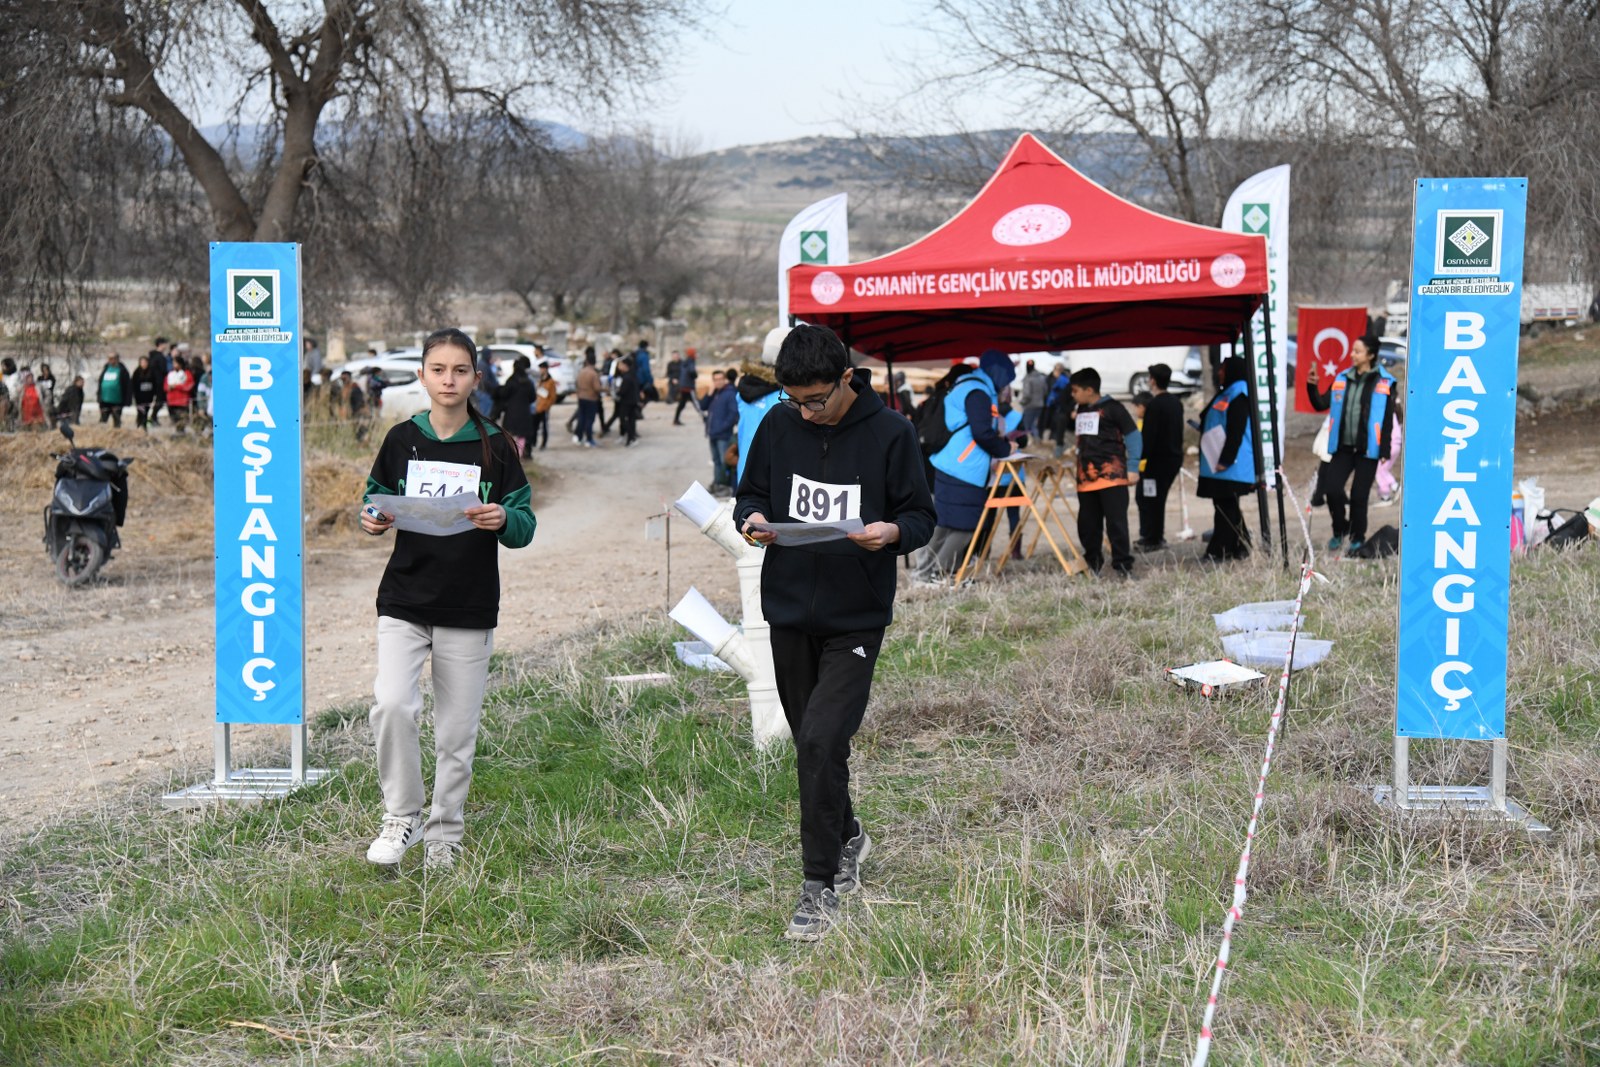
(827, 288)
(1227, 270)
(1031, 224)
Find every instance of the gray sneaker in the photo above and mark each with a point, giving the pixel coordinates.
(441, 856)
(399, 833)
(818, 909)
(848, 880)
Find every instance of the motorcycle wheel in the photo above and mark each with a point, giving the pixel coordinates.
(79, 559)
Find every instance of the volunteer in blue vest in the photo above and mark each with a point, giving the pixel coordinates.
(1228, 461)
(1360, 409)
(758, 393)
(961, 469)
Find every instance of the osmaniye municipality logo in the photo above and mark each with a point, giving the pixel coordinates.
(813, 246)
(1468, 243)
(253, 298)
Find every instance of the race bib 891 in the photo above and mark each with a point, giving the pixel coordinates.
(823, 501)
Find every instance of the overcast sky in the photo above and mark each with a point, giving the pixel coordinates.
(774, 71)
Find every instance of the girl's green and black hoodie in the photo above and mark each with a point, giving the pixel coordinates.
(451, 581)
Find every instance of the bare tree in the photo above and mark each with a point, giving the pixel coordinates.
(283, 73)
(654, 201)
(543, 230)
(1495, 87)
(1168, 72)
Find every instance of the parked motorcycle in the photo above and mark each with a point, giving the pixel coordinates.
(89, 503)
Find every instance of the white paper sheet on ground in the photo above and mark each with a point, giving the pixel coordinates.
(695, 614)
(1216, 672)
(810, 533)
(437, 516)
(697, 505)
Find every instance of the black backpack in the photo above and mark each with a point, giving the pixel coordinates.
(933, 433)
(1380, 545)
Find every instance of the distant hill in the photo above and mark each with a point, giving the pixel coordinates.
(246, 140)
(899, 187)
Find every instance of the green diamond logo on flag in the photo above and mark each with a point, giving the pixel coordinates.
(1256, 217)
(813, 246)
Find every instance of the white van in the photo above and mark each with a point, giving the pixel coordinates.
(1125, 371)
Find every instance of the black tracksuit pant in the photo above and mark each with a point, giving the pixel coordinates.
(1103, 513)
(1334, 474)
(1151, 496)
(823, 684)
(1230, 534)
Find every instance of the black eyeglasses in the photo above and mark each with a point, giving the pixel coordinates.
(812, 405)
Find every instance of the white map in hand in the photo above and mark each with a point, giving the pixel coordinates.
(436, 516)
(810, 533)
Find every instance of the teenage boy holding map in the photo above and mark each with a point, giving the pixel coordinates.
(830, 451)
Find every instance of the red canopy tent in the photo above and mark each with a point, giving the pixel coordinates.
(1042, 258)
(1045, 259)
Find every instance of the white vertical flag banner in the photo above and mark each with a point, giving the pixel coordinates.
(1261, 206)
(819, 234)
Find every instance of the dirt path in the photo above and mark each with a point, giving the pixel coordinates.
(106, 692)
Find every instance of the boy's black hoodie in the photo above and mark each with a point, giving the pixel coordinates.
(838, 586)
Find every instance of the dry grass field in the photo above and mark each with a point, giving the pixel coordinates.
(1057, 830)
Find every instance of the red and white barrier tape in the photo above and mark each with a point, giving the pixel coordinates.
(1240, 891)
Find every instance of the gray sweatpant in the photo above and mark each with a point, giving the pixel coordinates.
(942, 555)
(460, 671)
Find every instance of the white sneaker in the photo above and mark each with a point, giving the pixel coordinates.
(440, 855)
(399, 833)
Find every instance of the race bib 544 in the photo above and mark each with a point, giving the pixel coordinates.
(432, 478)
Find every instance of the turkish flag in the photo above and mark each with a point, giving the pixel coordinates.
(1324, 338)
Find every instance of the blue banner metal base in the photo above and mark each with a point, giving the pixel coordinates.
(249, 785)
(1485, 802)
(1458, 801)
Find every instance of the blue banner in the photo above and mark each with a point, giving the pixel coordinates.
(1461, 413)
(260, 548)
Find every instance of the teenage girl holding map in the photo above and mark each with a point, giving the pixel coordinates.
(439, 597)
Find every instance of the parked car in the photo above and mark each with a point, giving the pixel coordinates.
(403, 394)
(562, 369)
(1391, 350)
(355, 366)
(1125, 371)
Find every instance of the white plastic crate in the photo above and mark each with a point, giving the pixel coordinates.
(1267, 648)
(1264, 615)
